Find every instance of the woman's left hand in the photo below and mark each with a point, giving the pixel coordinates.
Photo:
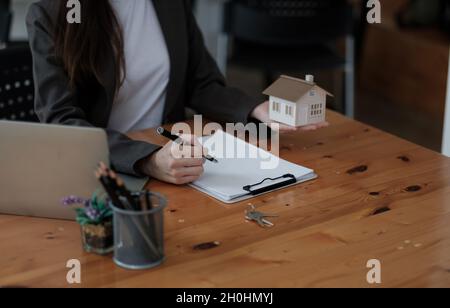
(261, 113)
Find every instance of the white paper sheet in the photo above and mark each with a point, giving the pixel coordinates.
(226, 179)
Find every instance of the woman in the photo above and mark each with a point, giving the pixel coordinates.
(130, 65)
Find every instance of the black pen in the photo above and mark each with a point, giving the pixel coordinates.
(172, 137)
(104, 180)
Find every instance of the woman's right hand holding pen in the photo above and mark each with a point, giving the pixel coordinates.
(177, 162)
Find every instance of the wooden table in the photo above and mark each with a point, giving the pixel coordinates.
(396, 211)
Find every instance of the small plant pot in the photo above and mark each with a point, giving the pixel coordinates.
(98, 239)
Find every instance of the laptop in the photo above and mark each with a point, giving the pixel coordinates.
(40, 164)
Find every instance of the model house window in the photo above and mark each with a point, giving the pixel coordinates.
(276, 107)
(288, 110)
(316, 110)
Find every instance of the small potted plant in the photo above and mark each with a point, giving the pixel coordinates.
(95, 218)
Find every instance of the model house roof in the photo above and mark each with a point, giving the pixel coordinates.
(291, 89)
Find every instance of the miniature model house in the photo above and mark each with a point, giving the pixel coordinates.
(297, 102)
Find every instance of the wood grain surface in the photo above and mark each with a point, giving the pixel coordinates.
(377, 197)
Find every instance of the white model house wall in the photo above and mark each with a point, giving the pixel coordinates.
(283, 111)
(309, 110)
(317, 107)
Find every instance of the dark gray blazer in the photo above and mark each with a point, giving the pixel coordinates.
(195, 81)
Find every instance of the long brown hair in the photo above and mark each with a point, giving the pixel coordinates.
(82, 46)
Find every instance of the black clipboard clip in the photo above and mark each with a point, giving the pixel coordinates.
(291, 179)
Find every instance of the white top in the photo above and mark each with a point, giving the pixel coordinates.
(141, 99)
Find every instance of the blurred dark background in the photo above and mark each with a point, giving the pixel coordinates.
(391, 75)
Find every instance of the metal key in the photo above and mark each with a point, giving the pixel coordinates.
(256, 217)
(259, 217)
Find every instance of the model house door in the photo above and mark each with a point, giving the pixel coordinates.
(302, 114)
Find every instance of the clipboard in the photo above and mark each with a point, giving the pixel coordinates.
(248, 196)
(233, 180)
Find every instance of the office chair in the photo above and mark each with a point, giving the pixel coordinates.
(279, 36)
(5, 22)
(16, 84)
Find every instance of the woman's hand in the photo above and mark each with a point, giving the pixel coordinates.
(176, 163)
(261, 112)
